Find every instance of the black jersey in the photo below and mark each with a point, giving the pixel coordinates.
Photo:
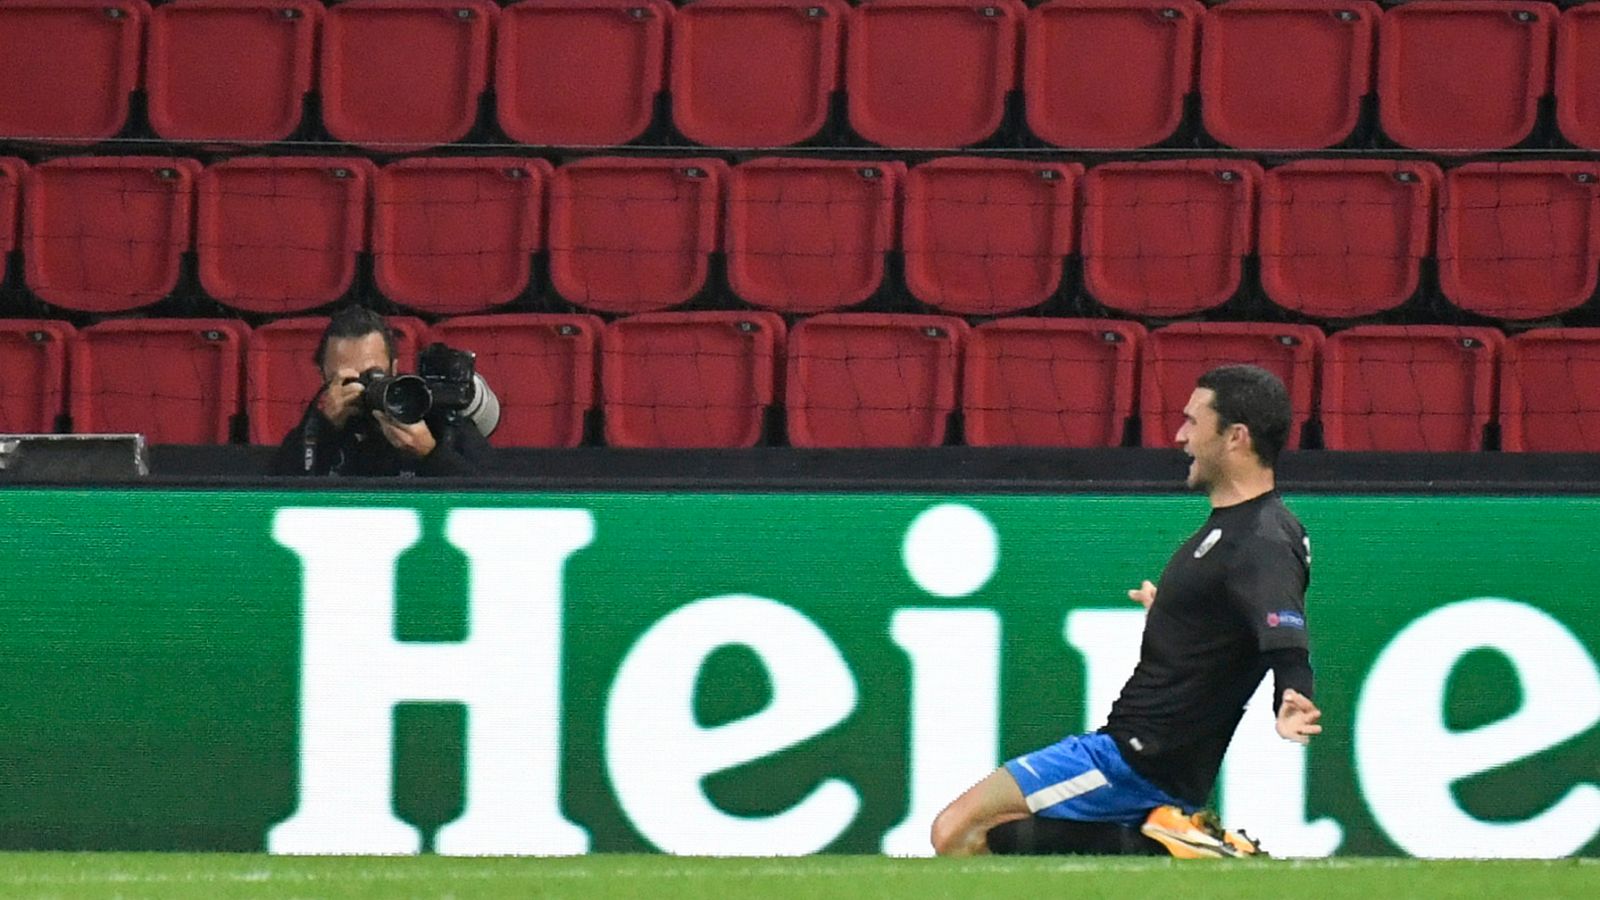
(1232, 592)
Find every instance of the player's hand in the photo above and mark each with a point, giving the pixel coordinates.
(341, 399)
(1144, 594)
(1297, 717)
(415, 439)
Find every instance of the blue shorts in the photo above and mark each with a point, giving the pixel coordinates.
(1084, 778)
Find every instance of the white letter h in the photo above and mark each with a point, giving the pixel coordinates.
(507, 672)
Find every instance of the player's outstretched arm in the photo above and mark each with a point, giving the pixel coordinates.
(1144, 594)
(1297, 717)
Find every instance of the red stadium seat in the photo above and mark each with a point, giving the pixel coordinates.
(68, 68)
(931, 73)
(1578, 75)
(105, 234)
(1108, 74)
(1550, 391)
(280, 235)
(1520, 240)
(457, 235)
(633, 235)
(542, 367)
(176, 381)
(1167, 238)
(231, 70)
(1285, 74)
(690, 379)
(1408, 387)
(580, 72)
(988, 236)
(873, 379)
(1176, 356)
(400, 75)
(12, 172)
(806, 235)
(1463, 74)
(281, 374)
(755, 73)
(1050, 382)
(1342, 238)
(33, 374)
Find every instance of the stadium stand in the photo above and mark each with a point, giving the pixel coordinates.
(281, 375)
(106, 234)
(1463, 75)
(1548, 379)
(457, 235)
(1036, 382)
(755, 73)
(281, 234)
(1416, 387)
(931, 73)
(1344, 238)
(873, 379)
(401, 75)
(238, 71)
(33, 374)
(780, 273)
(1108, 74)
(808, 235)
(1167, 238)
(580, 72)
(988, 236)
(1285, 74)
(1175, 356)
(1519, 240)
(177, 381)
(634, 235)
(69, 68)
(690, 379)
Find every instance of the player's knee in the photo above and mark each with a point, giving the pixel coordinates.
(947, 833)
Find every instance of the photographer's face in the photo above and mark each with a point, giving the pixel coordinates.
(356, 354)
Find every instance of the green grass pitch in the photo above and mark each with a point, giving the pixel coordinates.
(128, 876)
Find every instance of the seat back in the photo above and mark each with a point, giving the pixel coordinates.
(873, 379)
(176, 381)
(68, 68)
(806, 235)
(1409, 387)
(540, 366)
(1550, 391)
(690, 379)
(457, 235)
(988, 236)
(33, 374)
(1050, 382)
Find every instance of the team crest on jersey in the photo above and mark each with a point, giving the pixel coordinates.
(1209, 542)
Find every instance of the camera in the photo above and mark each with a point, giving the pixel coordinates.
(446, 382)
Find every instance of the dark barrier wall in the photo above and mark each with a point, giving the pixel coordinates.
(746, 673)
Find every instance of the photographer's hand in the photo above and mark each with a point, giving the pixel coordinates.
(341, 399)
(415, 439)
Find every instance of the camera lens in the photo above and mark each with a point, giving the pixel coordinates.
(406, 398)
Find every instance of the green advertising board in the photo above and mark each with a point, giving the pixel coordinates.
(387, 672)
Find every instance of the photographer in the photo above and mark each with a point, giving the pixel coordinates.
(346, 430)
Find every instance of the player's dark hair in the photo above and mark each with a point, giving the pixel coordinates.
(1255, 398)
(354, 322)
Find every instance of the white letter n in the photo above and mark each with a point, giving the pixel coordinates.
(507, 673)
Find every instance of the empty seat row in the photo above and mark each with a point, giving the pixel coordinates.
(709, 379)
(1337, 239)
(398, 75)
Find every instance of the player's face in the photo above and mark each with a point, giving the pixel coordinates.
(358, 353)
(1200, 437)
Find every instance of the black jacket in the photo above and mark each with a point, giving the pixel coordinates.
(361, 449)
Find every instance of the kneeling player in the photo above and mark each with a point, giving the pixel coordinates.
(1232, 607)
